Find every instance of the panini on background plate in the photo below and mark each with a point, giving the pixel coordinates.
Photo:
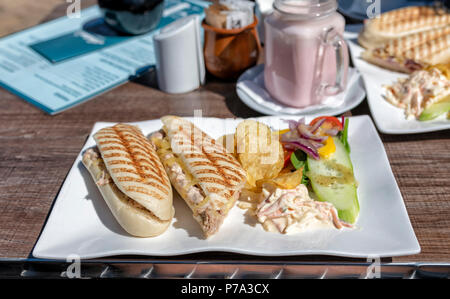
(401, 22)
(412, 52)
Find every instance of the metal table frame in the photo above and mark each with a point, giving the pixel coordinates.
(147, 268)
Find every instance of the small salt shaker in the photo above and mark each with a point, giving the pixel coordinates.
(180, 65)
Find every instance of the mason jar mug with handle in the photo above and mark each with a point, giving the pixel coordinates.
(306, 57)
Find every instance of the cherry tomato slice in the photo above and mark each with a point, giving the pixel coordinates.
(287, 157)
(331, 121)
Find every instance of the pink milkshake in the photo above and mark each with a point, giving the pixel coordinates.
(306, 58)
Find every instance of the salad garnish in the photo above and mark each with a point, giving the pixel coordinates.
(314, 139)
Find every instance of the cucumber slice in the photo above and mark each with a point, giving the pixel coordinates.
(332, 180)
(436, 109)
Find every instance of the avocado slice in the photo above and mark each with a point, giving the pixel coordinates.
(436, 109)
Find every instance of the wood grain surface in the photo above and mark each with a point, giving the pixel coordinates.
(37, 151)
(17, 15)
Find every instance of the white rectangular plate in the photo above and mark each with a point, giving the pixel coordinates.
(80, 222)
(388, 118)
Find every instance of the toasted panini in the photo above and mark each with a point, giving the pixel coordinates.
(133, 217)
(401, 22)
(135, 168)
(412, 52)
(207, 177)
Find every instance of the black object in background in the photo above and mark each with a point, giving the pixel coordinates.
(132, 16)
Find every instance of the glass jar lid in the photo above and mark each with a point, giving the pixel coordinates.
(306, 8)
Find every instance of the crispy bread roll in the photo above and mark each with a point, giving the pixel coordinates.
(134, 218)
(135, 168)
(132, 180)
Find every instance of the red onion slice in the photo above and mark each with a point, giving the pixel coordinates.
(305, 133)
(293, 124)
(317, 125)
(308, 149)
(311, 143)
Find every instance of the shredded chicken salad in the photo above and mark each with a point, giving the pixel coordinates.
(418, 91)
(292, 210)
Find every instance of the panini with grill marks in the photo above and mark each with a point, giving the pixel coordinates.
(207, 177)
(401, 22)
(142, 177)
(132, 180)
(413, 52)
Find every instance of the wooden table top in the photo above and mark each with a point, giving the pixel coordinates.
(37, 151)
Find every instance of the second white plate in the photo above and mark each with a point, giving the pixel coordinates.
(388, 118)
